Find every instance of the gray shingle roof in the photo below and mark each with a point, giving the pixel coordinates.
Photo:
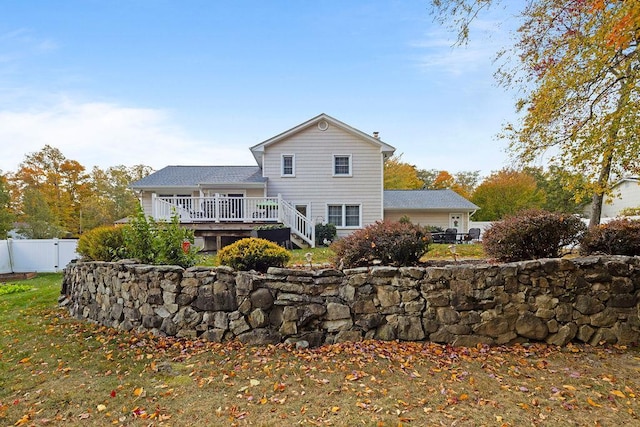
(426, 199)
(193, 176)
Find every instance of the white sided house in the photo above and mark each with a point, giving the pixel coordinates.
(321, 171)
(626, 194)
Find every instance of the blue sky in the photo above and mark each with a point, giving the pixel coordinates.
(198, 82)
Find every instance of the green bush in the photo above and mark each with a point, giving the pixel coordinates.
(630, 211)
(388, 242)
(14, 288)
(104, 243)
(325, 233)
(168, 244)
(532, 234)
(253, 254)
(158, 242)
(139, 236)
(143, 239)
(278, 226)
(618, 237)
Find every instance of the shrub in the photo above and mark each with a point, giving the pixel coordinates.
(144, 239)
(168, 241)
(139, 235)
(325, 233)
(630, 211)
(532, 234)
(618, 237)
(390, 243)
(102, 243)
(277, 226)
(253, 254)
(405, 219)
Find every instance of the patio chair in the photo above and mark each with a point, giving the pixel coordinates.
(474, 234)
(450, 235)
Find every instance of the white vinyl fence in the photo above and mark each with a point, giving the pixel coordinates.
(482, 225)
(41, 255)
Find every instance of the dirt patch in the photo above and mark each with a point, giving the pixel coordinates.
(7, 277)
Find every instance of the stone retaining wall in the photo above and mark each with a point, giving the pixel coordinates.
(592, 299)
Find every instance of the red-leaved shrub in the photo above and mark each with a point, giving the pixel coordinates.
(532, 234)
(618, 237)
(388, 242)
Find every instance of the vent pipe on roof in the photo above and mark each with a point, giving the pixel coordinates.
(376, 135)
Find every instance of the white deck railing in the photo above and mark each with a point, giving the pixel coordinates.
(300, 224)
(233, 209)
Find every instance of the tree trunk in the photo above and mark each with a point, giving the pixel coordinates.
(607, 159)
(598, 195)
(596, 210)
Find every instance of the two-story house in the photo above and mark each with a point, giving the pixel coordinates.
(319, 171)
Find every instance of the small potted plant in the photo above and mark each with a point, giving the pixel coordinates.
(277, 233)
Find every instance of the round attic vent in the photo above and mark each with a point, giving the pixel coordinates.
(323, 125)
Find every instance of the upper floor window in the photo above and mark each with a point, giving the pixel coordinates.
(342, 165)
(288, 165)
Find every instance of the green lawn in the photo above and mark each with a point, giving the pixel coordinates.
(324, 256)
(56, 370)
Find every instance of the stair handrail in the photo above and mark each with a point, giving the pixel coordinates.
(299, 224)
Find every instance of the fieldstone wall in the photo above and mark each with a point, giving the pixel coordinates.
(592, 300)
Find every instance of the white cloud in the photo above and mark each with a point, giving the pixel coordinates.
(436, 51)
(103, 134)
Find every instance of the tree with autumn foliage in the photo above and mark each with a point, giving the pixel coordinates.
(578, 69)
(399, 175)
(61, 183)
(37, 218)
(49, 188)
(111, 198)
(504, 193)
(463, 182)
(560, 189)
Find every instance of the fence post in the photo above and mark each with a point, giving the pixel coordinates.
(56, 251)
(10, 251)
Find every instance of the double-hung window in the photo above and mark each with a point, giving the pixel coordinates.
(342, 165)
(288, 165)
(344, 215)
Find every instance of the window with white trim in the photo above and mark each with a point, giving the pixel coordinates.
(342, 165)
(288, 165)
(344, 215)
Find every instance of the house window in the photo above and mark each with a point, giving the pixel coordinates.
(352, 215)
(341, 165)
(288, 165)
(344, 215)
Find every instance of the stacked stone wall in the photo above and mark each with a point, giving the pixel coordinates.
(592, 300)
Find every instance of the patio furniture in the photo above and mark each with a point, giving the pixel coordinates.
(450, 235)
(473, 235)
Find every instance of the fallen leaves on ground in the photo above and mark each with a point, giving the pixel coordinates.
(72, 372)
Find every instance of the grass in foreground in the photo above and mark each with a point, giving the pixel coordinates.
(55, 370)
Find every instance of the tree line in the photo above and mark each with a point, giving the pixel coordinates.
(52, 196)
(504, 192)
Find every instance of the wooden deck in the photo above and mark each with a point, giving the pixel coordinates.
(226, 219)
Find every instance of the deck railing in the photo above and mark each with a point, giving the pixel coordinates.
(217, 208)
(300, 224)
(233, 209)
